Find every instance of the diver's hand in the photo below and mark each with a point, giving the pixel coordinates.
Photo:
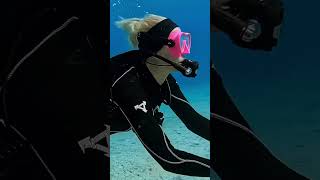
(268, 14)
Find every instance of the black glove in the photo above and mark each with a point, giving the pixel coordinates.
(264, 16)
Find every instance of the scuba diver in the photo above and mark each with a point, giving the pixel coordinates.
(52, 108)
(142, 82)
(237, 153)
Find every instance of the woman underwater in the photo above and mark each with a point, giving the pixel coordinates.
(142, 82)
(237, 153)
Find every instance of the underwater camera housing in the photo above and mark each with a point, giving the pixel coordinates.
(253, 24)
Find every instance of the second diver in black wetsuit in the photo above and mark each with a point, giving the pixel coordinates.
(142, 82)
(237, 153)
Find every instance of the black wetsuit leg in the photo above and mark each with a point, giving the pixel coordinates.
(236, 153)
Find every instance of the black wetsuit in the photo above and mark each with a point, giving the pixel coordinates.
(236, 153)
(136, 98)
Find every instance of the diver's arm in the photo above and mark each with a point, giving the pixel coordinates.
(221, 102)
(235, 143)
(135, 105)
(191, 118)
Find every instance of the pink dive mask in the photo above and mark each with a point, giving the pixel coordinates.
(182, 43)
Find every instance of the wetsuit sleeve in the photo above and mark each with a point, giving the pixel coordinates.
(221, 102)
(236, 152)
(135, 105)
(190, 117)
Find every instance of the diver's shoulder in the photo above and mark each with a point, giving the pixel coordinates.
(171, 79)
(129, 56)
(122, 62)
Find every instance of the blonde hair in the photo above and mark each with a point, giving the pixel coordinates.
(135, 25)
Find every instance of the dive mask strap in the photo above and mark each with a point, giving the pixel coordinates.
(157, 36)
(146, 37)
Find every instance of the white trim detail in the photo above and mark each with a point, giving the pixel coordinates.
(176, 156)
(122, 76)
(36, 153)
(157, 108)
(141, 106)
(169, 90)
(181, 99)
(236, 124)
(39, 45)
(122, 131)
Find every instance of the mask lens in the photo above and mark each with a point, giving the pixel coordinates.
(185, 43)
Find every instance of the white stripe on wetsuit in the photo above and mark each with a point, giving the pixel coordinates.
(169, 90)
(122, 76)
(122, 131)
(163, 131)
(167, 161)
(111, 90)
(185, 160)
(171, 95)
(236, 124)
(180, 99)
(39, 45)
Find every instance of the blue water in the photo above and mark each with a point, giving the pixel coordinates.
(278, 92)
(129, 159)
